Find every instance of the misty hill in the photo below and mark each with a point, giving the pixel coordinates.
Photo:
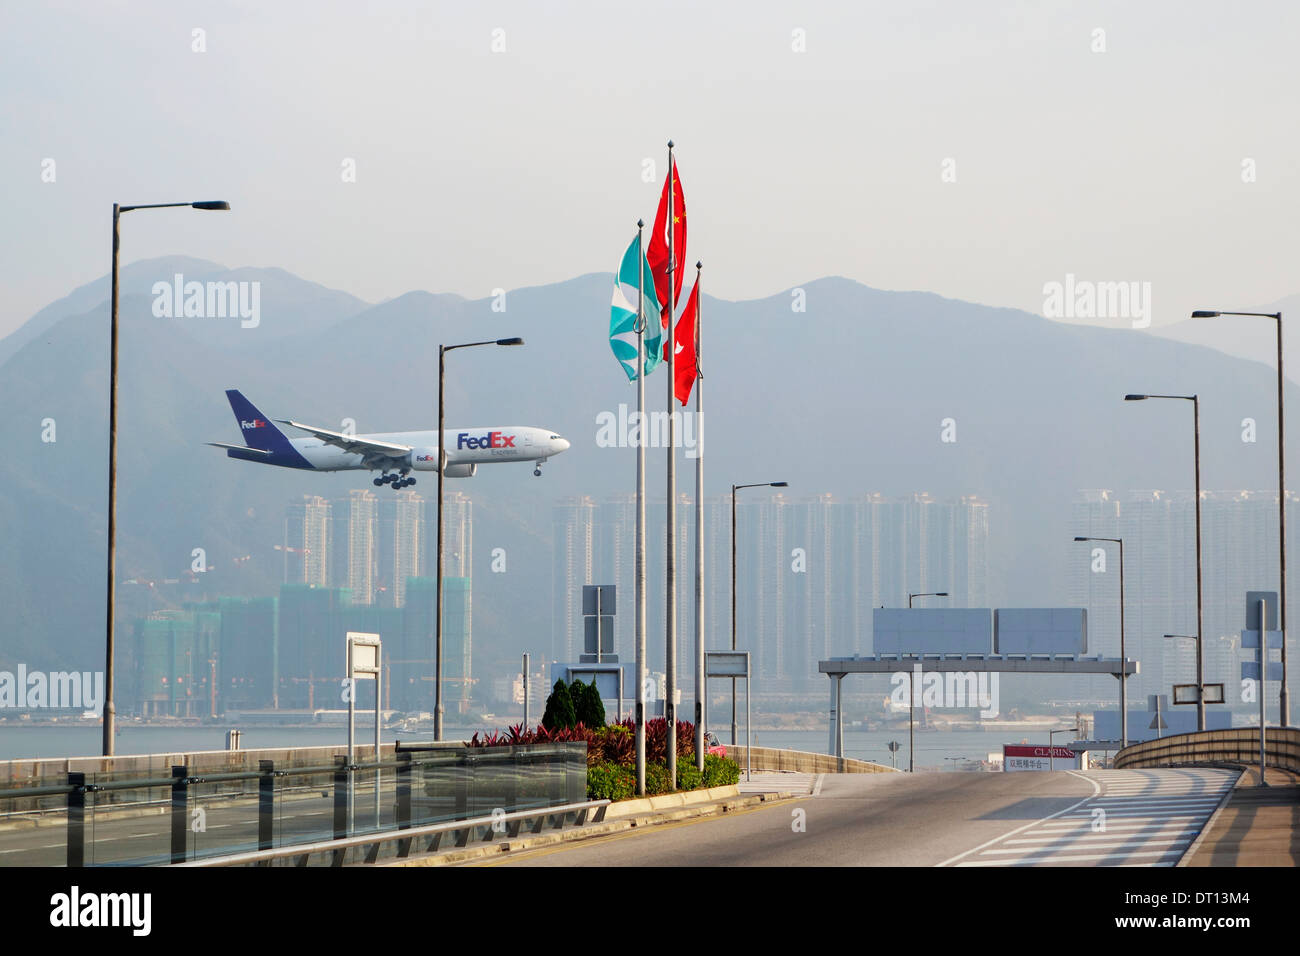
(1248, 337)
(847, 397)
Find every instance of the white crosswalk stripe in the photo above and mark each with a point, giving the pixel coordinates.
(1140, 818)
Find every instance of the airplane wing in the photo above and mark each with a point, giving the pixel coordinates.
(245, 448)
(370, 449)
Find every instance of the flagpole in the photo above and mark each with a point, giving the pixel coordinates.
(639, 572)
(700, 687)
(670, 565)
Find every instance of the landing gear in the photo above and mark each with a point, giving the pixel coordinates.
(379, 482)
(537, 472)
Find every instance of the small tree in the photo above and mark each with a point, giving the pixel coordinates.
(559, 708)
(588, 705)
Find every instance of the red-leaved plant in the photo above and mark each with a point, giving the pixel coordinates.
(614, 743)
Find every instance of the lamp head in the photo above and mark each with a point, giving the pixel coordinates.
(210, 205)
(1135, 398)
(1203, 314)
(514, 341)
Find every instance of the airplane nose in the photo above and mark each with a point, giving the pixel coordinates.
(564, 444)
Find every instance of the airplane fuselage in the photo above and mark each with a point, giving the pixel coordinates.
(393, 454)
(465, 446)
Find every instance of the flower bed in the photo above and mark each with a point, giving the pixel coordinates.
(611, 757)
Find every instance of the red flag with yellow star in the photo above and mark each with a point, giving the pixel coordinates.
(658, 251)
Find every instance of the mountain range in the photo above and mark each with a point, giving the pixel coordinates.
(852, 394)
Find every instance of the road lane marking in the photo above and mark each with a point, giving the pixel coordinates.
(1096, 790)
(1053, 858)
(1157, 835)
(1065, 850)
(1165, 815)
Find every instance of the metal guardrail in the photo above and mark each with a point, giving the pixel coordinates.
(799, 761)
(509, 824)
(1238, 745)
(510, 777)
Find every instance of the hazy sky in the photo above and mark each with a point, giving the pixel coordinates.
(477, 169)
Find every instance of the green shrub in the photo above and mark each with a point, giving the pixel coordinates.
(656, 779)
(610, 782)
(720, 771)
(559, 708)
(689, 778)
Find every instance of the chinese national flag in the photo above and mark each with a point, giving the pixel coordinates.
(687, 368)
(657, 252)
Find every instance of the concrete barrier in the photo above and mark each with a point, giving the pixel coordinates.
(1238, 745)
(800, 761)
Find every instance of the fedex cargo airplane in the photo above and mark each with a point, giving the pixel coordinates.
(393, 454)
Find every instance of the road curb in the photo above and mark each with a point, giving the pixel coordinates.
(626, 822)
(625, 808)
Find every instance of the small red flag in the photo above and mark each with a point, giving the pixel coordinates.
(657, 252)
(686, 367)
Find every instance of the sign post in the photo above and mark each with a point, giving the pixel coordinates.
(364, 658)
(1157, 703)
(1261, 633)
(598, 607)
(735, 664)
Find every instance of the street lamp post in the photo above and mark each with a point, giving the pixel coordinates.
(110, 707)
(734, 489)
(911, 696)
(1284, 698)
(1200, 648)
(1123, 676)
(442, 467)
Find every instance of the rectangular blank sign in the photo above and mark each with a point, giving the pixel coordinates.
(727, 663)
(1186, 693)
(1252, 609)
(1040, 630)
(363, 655)
(1250, 670)
(598, 599)
(1250, 639)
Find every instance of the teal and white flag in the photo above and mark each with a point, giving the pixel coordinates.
(622, 314)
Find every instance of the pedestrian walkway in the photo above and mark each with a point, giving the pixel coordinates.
(1258, 826)
(1139, 818)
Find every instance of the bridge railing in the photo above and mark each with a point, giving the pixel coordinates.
(800, 761)
(117, 817)
(1237, 745)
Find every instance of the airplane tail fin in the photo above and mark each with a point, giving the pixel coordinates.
(258, 431)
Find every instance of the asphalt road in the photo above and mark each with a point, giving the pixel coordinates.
(855, 820)
(1104, 818)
